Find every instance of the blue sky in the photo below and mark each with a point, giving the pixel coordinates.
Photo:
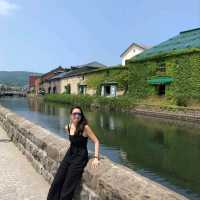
(39, 35)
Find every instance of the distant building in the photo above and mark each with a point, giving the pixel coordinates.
(92, 79)
(70, 80)
(133, 50)
(37, 85)
(32, 82)
(41, 83)
(52, 73)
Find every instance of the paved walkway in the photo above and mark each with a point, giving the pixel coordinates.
(18, 179)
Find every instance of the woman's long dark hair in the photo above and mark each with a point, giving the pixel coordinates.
(82, 122)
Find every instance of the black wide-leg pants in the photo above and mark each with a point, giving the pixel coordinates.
(68, 175)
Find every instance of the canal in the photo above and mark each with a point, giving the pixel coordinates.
(165, 151)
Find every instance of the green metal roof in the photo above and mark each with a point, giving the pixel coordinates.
(108, 83)
(160, 80)
(185, 40)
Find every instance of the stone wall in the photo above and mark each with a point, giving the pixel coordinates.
(183, 114)
(109, 181)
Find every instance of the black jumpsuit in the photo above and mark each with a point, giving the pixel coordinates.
(70, 170)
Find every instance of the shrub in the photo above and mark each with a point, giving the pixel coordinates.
(111, 103)
(182, 101)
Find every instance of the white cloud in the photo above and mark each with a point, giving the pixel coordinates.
(6, 8)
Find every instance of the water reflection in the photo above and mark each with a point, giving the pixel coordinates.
(161, 150)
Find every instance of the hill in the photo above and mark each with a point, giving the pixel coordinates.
(15, 78)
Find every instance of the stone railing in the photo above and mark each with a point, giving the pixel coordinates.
(109, 181)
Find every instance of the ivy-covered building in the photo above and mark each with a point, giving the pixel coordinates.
(110, 81)
(170, 69)
(70, 81)
(93, 79)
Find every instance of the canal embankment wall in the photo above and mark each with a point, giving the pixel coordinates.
(110, 181)
(182, 113)
(128, 105)
(164, 112)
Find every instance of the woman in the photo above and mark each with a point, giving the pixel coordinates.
(71, 167)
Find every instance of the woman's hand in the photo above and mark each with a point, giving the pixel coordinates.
(95, 163)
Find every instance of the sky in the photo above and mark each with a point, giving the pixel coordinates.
(40, 35)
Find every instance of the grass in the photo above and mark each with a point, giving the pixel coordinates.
(120, 103)
(111, 103)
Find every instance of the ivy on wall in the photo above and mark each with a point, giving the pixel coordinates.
(118, 74)
(184, 68)
(137, 78)
(67, 89)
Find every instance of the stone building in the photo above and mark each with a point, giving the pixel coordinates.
(171, 68)
(32, 82)
(41, 82)
(71, 80)
(52, 73)
(107, 81)
(85, 79)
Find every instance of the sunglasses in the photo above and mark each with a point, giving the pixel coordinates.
(76, 113)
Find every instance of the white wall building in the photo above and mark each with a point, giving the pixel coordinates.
(132, 51)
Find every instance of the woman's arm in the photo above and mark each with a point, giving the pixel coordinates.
(94, 139)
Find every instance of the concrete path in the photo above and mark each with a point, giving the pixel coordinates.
(18, 179)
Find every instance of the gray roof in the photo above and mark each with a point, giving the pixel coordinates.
(79, 69)
(56, 70)
(59, 76)
(94, 64)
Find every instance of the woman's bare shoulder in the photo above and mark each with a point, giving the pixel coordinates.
(85, 132)
(86, 126)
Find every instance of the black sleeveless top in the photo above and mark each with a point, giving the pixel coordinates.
(77, 140)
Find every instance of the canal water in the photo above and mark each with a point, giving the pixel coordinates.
(165, 151)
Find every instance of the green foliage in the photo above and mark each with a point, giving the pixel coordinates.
(157, 56)
(95, 79)
(186, 72)
(181, 100)
(118, 74)
(98, 90)
(116, 103)
(83, 100)
(137, 79)
(184, 68)
(111, 103)
(15, 78)
(67, 89)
